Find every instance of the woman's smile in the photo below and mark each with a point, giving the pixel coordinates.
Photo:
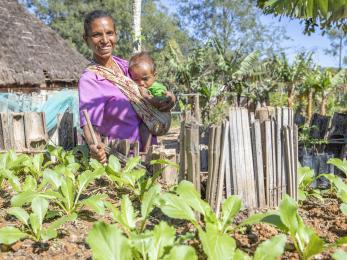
(102, 40)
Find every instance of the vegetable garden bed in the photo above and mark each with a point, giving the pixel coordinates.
(122, 207)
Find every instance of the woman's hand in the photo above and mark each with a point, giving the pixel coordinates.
(98, 152)
(168, 103)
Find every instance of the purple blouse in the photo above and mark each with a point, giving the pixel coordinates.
(109, 109)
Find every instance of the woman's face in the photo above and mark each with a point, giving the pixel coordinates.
(101, 39)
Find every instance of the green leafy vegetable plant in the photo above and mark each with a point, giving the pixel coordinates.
(306, 241)
(108, 242)
(185, 202)
(305, 180)
(65, 190)
(32, 223)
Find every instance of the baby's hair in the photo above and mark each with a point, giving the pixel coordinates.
(142, 58)
(93, 15)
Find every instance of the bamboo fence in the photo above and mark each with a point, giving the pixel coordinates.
(253, 155)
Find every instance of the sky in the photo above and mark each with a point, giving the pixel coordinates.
(298, 40)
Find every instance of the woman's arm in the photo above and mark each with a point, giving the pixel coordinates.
(96, 151)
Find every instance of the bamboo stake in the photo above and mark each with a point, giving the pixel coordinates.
(221, 173)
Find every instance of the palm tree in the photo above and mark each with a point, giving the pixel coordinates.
(137, 26)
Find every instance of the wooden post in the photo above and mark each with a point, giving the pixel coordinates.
(258, 163)
(234, 162)
(249, 170)
(216, 158)
(183, 156)
(268, 163)
(35, 131)
(136, 148)
(211, 137)
(169, 173)
(221, 173)
(18, 132)
(65, 130)
(5, 136)
(193, 154)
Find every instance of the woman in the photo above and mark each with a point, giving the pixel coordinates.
(110, 110)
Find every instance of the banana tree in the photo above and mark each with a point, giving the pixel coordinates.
(327, 83)
(292, 75)
(325, 13)
(307, 89)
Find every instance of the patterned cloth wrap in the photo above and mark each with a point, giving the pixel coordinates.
(157, 122)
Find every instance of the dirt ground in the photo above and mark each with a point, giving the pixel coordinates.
(324, 217)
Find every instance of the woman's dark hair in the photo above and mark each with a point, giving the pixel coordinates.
(140, 58)
(93, 15)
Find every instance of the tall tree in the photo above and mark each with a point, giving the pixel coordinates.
(66, 17)
(137, 26)
(338, 39)
(236, 24)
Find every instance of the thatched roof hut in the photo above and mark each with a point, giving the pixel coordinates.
(32, 54)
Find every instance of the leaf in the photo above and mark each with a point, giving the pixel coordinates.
(51, 231)
(163, 236)
(182, 253)
(342, 165)
(127, 212)
(30, 184)
(148, 201)
(343, 208)
(288, 213)
(26, 197)
(341, 241)
(314, 246)
(85, 179)
(95, 164)
(216, 245)
(39, 206)
(53, 178)
(340, 255)
(96, 202)
(107, 242)
(164, 162)
(231, 206)
(131, 163)
(37, 161)
(274, 219)
(114, 164)
(20, 214)
(14, 182)
(35, 224)
(57, 223)
(189, 194)
(9, 235)
(259, 217)
(240, 255)
(48, 234)
(174, 207)
(67, 190)
(271, 249)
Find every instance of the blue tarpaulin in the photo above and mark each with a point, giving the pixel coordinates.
(59, 102)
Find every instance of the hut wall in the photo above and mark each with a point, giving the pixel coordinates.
(29, 98)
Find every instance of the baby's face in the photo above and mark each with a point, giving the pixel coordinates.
(142, 75)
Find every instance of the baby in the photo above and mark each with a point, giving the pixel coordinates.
(142, 70)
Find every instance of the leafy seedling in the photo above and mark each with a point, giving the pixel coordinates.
(32, 223)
